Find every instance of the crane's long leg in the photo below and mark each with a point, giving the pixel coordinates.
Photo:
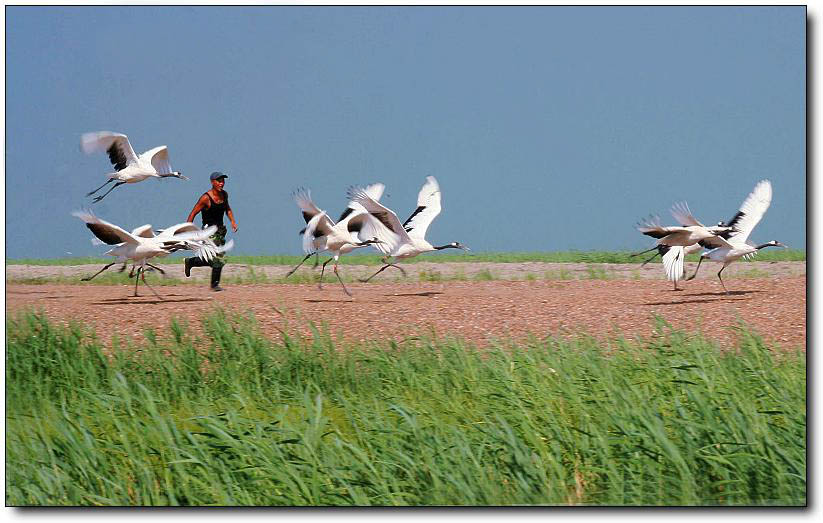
(382, 269)
(113, 187)
(123, 268)
(137, 279)
(158, 269)
(299, 264)
(650, 259)
(721, 279)
(402, 270)
(643, 252)
(690, 278)
(373, 275)
(316, 260)
(341, 280)
(323, 270)
(143, 276)
(98, 272)
(105, 184)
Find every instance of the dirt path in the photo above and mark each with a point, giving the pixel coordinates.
(469, 270)
(480, 311)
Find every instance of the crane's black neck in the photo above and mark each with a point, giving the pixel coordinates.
(367, 242)
(449, 246)
(761, 246)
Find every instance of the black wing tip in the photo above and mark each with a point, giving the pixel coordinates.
(653, 220)
(347, 211)
(103, 235)
(354, 191)
(415, 213)
(116, 156)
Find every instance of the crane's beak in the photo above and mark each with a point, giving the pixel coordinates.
(180, 175)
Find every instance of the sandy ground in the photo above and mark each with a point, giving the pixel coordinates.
(771, 297)
(502, 271)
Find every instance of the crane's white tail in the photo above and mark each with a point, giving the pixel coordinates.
(673, 263)
(227, 247)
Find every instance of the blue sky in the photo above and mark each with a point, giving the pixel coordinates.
(548, 128)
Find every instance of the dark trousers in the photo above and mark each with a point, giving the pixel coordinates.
(217, 263)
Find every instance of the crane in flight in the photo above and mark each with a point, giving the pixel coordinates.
(128, 166)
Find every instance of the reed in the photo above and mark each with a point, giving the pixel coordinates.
(218, 414)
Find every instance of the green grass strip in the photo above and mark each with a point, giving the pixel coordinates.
(218, 414)
(492, 257)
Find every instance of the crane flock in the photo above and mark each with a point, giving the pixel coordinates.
(141, 244)
(724, 243)
(367, 222)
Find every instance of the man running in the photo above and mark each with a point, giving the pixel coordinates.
(212, 205)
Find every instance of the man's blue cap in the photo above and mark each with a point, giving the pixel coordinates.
(216, 175)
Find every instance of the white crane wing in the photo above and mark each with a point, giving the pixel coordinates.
(651, 227)
(185, 233)
(106, 232)
(751, 211)
(362, 226)
(375, 191)
(116, 145)
(303, 199)
(683, 215)
(714, 242)
(158, 158)
(673, 263)
(428, 207)
(319, 225)
(207, 249)
(144, 231)
(178, 228)
(385, 226)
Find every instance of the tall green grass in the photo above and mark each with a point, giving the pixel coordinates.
(221, 415)
(492, 257)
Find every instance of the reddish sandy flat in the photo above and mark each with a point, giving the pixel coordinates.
(479, 311)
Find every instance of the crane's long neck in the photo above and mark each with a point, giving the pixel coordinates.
(441, 247)
(367, 242)
(764, 245)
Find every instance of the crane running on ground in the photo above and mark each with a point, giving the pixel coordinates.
(683, 235)
(738, 245)
(374, 190)
(323, 234)
(141, 244)
(402, 240)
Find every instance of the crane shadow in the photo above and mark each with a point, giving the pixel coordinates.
(425, 294)
(718, 296)
(141, 300)
(722, 293)
(683, 302)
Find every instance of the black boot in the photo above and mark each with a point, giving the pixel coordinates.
(215, 278)
(193, 262)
